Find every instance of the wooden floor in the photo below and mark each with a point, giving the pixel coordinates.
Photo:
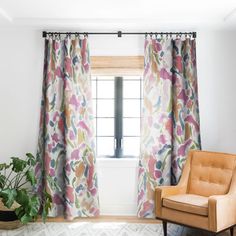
(182, 231)
(128, 219)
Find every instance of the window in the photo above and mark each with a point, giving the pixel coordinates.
(117, 102)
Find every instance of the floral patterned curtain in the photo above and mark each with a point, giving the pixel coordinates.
(170, 121)
(66, 145)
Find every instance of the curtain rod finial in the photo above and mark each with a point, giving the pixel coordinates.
(194, 35)
(44, 34)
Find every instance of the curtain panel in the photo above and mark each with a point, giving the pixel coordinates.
(170, 117)
(66, 141)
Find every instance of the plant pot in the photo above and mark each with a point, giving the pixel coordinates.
(8, 218)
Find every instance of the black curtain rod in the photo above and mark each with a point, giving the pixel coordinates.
(119, 33)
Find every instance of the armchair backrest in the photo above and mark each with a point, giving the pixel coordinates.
(210, 173)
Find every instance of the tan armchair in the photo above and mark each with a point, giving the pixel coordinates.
(205, 197)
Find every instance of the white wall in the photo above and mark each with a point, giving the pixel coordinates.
(21, 63)
(217, 83)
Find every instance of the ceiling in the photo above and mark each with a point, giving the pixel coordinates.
(143, 15)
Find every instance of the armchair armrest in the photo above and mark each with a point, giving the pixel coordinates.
(165, 191)
(221, 211)
(222, 208)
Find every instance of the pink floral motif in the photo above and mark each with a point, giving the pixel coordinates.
(183, 148)
(179, 130)
(61, 125)
(70, 194)
(93, 191)
(52, 172)
(162, 139)
(58, 72)
(57, 199)
(84, 126)
(68, 66)
(55, 137)
(178, 63)
(75, 102)
(47, 161)
(50, 147)
(147, 208)
(192, 121)
(71, 135)
(157, 174)
(140, 195)
(182, 95)
(75, 154)
(165, 75)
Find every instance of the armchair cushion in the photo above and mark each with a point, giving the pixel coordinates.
(190, 203)
(210, 174)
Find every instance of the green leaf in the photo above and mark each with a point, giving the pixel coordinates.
(31, 159)
(19, 212)
(22, 197)
(2, 181)
(47, 204)
(4, 166)
(44, 215)
(8, 197)
(30, 155)
(47, 196)
(34, 206)
(25, 218)
(30, 177)
(30, 205)
(18, 164)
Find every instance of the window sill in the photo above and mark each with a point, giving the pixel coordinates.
(106, 162)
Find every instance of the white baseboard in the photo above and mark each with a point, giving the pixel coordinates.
(118, 210)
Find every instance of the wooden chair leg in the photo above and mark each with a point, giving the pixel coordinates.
(232, 231)
(164, 224)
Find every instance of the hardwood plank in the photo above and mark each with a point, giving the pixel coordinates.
(128, 219)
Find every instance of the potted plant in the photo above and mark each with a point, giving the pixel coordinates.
(19, 203)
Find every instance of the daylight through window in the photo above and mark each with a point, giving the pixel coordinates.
(117, 103)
